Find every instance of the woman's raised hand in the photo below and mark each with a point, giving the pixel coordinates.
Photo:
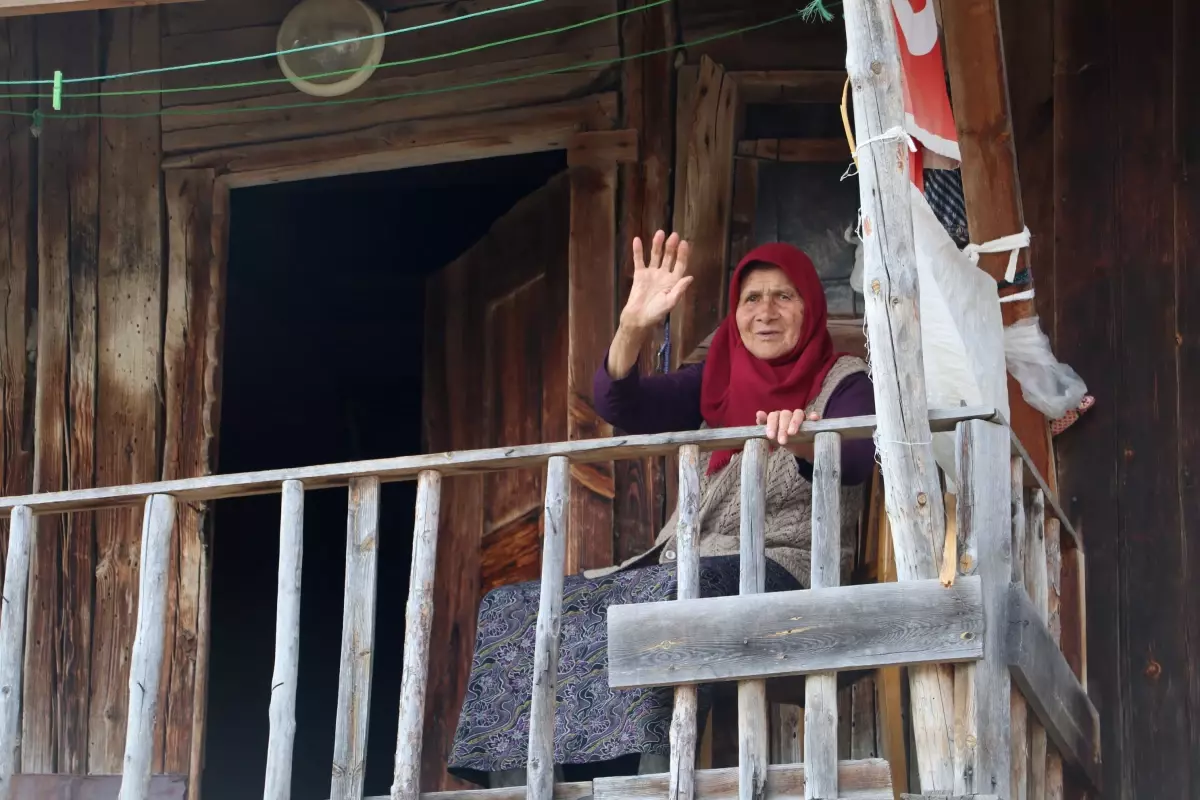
(657, 285)
(783, 425)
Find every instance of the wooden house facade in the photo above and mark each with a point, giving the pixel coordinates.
(713, 118)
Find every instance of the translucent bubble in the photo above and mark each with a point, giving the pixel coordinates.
(337, 24)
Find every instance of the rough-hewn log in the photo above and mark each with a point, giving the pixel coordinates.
(540, 776)
(418, 624)
(982, 690)
(687, 559)
(913, 490)
(358, 641)
(278, 784)
(1052, 690)
(459, 462)
(753, 738)
(146, 659)
(820, 689)
(848, 627)
(21, 534)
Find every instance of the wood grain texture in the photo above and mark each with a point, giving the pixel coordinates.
(913, 490)
(21, 536)
(358, 641)
(1053, 692)
(683, 715)
(982, 762)
(59, 654)
(1037, 585)
(540, 776)
(93, 787)
(1054, 764)
(795, 150)
(590, 319)
(130, 306)
(146, 659)
(848, 627)
(861, 780)
(465, 461)
(1018, 708)
(418, 626)
(278, 782)
(820, 689)
(753, 736)
(705, 205)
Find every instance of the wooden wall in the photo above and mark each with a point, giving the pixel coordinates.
(1107, 127)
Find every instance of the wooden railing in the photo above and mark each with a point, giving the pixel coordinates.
(684, 642)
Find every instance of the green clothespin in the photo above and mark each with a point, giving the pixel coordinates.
(56, 99)
(35, 126)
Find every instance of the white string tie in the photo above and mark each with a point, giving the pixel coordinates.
(1011, 244)
(891, 134)
(1018, 297)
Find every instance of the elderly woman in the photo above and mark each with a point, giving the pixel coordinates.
(771, 362)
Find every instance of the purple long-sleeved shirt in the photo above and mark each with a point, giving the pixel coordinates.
(671, 402)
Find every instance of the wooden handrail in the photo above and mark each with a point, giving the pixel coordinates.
(462, 462)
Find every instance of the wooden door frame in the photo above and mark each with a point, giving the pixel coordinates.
(198, 187)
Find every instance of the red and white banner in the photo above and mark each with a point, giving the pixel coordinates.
(927, 114)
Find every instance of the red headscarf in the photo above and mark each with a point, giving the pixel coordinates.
(736, 385)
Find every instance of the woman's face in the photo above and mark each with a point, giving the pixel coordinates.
(770, 313)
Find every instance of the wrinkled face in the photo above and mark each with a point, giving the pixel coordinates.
(770, 313)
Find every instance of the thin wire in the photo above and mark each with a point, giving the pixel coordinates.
(183, 111)
(277, 53)
(384, 65)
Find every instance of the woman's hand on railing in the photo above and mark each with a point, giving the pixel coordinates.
(657, 288)
(782, 426)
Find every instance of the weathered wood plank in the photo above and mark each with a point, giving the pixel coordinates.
(753, 737)
(861, 780)
(602, 149)
(982, 760)
(1054, 764)
(278, 783)
(820, 689)
(418, 625)
(21, 535)
(540, 776)
(93, 787)
(590, 319)
(129, 302)
(57, 689)
(913, 490)
(795, 150)
(683, 719)
(456, 462)
(1053, 692)
(146, 660)
(790, 85)
(863, 742)
(1018, 709)
(1036, 583)
(358, 640)
(705, 205)
(787, 733)
(848, 627)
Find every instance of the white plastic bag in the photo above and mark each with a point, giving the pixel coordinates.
(856, 275)
(1048, 385)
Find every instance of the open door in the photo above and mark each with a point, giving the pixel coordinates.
(495, 374)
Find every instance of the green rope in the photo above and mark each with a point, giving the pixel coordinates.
(277, 53)
(814, 10)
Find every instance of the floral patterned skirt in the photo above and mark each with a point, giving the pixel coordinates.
(593, 723)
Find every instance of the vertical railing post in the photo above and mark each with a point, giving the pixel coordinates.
(683, 721)
(982, 754)
(820, 689)
(752, 695)
(540, 775)
(278, 783)
(1036, 584)
(418, 623)
(1019, 709)
(1054, 763)
(358, 641)
(21, 533)
(145, 663)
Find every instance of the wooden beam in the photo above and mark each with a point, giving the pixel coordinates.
(847, 627)
(789, 85)
(460, 462)
(795, 150)
(1051, 688)
(18, 8)
(603, 148)
(869, 779)
(911, 480)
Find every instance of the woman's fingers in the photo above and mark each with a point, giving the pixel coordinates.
(772, 424)
(794, 425)
(760, 418)
(813, 416)
(681, 259)
(677, 292)
(639, 257)
(672, 248)
(782, 425)
(656, 250)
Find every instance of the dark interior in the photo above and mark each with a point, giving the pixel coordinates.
(322, 363)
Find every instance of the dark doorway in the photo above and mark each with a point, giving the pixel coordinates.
(322, 363)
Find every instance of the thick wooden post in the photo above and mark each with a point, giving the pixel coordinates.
(752, 695)
(1018, 708)
(540, 776)
(1037, 585)
(145, 664)
(820, 689)
(358, 641)
(1054, 762)
(687, 560)
(418, 623)
(913, 491)
(12, 643)
(278, 785)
